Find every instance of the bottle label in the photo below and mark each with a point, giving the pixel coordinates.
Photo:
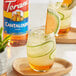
(16, 16)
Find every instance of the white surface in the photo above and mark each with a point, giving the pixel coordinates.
(38, 1)
(37, 14)
(43, 1)
(37, 18)
(66, 51)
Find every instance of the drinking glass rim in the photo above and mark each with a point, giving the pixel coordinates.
(39, 28)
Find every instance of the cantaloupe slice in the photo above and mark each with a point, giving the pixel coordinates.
(52, 22)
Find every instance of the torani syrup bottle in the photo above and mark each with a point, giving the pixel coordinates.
(16, 21)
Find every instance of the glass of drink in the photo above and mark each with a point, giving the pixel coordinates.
(65, 16)
(41, 49)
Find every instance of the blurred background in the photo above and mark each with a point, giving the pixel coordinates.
(37, 14)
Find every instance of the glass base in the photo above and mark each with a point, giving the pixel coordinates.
(64, 31)
(40, 70)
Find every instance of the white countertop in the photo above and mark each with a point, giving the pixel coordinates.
(65, 51)
(37, 17)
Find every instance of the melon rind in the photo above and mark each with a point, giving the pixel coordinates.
(40, 50)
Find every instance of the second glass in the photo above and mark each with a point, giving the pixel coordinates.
(65, 16)
(41, 49)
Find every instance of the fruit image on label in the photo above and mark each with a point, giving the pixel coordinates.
(16, 20)
(16, 16)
